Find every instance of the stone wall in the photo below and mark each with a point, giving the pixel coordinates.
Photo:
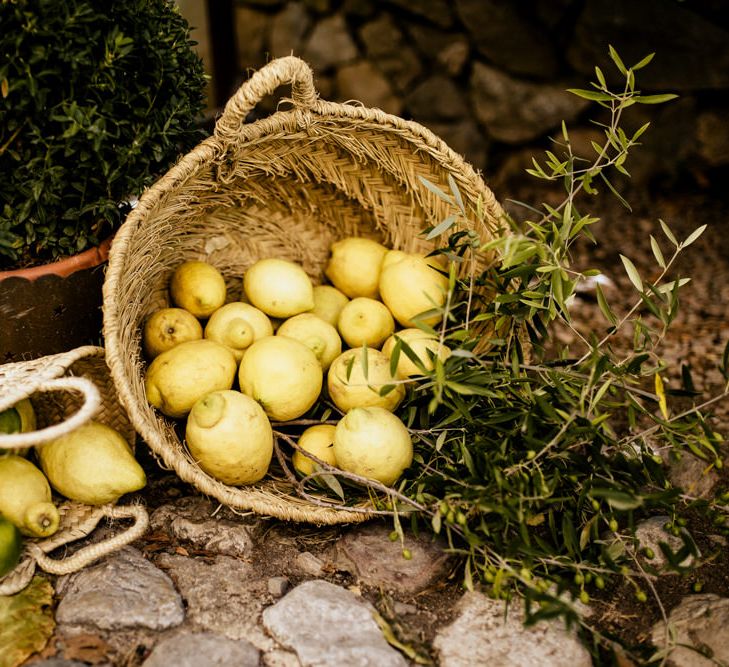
(489, 76)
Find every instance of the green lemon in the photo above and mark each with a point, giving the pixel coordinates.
(11, 544)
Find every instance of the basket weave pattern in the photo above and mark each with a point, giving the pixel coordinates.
(284, 186)
(67, 390)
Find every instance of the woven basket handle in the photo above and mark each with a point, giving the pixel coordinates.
(36, 556)
(90, 406)
(278, 72)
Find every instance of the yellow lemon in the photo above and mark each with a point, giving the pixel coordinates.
(409, 286)
(230, 437)
(19, 418)
(236, 325)
(278, 287)
(351, 385)
(198, 287)
(92, 464)
(365, 321)
(168, 327)
(373, 443)
(422, 344)
(354, 266)
(25, 497)
(283, 375)
(328, 303)
(179, 377)
(319, 441)
(319, 336)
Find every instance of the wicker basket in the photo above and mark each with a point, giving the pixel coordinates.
(287, 186)
(66, 391)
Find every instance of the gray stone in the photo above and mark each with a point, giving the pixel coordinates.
(191, 519)
(223, 596)
(508, 38)
(250, 32)
(58, 662)
(441, 47)
(309, 564)
(363, 82)
(279, 658)
(288, 28)
(202, 649)
(689, 472)
(517, 111)
(277, 586)
(339, 628)
(650, 533)
(435, 11)
(384, 45)
(454, 56)
(698, 57)
(329, 44)
(699, 621)
(712, 133)
(318, 6)
(481, 635)
(436, 98)
(123, 591)
(369, 554)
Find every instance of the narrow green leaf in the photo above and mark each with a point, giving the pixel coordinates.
(640, 131)
(669, 287)
(436, 190)
(654, 99)
(456, 193)
(364, 362)
(617, 60)
(604, 307)
(693, 236)
(333, 483)
(600, 77)
(441, 227)
(395, 357)
(642, 63)
(657, 253)
(592, 95)
(668, 232)
(632, 273)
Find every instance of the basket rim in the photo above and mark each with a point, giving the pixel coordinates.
(301, 118)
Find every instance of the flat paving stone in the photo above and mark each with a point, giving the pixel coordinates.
(329, 626)
(701, 626)
(369, 554)
(650, 533)
(481, 635)
(225, 596)
(202, 649)
(123, 591)
(191, 519)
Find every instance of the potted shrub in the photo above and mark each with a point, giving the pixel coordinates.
(96, 101)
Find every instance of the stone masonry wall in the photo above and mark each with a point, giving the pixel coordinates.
(489, 76)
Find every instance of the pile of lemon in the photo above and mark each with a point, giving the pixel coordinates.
(231, 368)
(92, 464)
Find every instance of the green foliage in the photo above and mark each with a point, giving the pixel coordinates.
(536, 464)
(96, 101)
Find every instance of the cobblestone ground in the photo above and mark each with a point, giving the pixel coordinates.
(206, 586)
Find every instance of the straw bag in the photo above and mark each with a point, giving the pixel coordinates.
(286, 186)
(66, 390)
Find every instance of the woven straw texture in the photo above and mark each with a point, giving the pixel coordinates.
(66, 390)
(286, 186)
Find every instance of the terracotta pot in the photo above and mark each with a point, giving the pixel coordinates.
(53, 307)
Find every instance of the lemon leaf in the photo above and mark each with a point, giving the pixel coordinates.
(26, 622)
